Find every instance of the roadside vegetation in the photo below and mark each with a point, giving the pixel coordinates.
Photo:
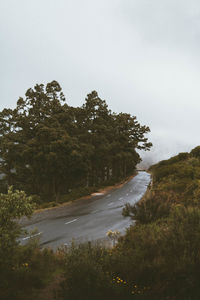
(165, 241)
(157, 258)
(24, 270)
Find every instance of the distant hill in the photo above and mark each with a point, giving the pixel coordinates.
(179, 176)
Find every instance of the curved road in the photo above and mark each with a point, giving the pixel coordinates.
(89, 219)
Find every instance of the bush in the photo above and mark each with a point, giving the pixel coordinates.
(195, 152)
(85, 277)
(31, 271)
(154, 206)
(89, 274)
(163, 255)
(160, 173)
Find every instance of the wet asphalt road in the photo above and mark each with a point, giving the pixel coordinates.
(90, 219)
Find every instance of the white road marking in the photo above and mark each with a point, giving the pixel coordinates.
(71, 221)
(127, 194)
(110, 203)
(108, 195)
(120, 198)
(28, 237)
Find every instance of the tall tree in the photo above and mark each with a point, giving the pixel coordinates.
(48, 147)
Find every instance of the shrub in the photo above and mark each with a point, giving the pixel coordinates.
(195, 152)
(163, 255)
(154, 206)
(85, 277)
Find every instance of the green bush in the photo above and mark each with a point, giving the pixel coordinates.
(163, 255)
(154, 206)
(89, 274)
(85, 277)
(31, 271)
(195, 152)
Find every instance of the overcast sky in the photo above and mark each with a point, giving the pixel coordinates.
(141, 56)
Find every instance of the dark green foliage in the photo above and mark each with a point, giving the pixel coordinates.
(85, 277)
(77, 193)
(31, 271)
(13, 205)
(89, 274)
(195, 152)
(164, 255)
(48, 148)
(175, 181)
(23, 269)
(164, 244)
(155, 206)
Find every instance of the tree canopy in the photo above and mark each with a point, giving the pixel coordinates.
(48, 147)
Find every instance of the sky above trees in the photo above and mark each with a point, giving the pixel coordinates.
(141, 56)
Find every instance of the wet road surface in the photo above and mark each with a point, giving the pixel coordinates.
(89, 219)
